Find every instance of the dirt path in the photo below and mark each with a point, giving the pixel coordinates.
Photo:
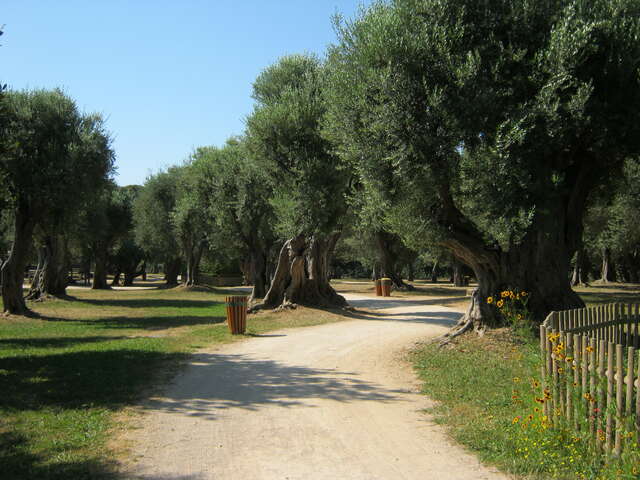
(334, 401)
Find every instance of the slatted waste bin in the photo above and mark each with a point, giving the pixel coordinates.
(237, 314)
(386, 287)
(378, 288)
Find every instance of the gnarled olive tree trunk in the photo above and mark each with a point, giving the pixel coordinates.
(52, 274)
(100, 272)
(172, 270)
(13, 268)
(132, 272)
(538, 265)
(608, 273)
(193, 256)
(579, 276)
(258, 273)
(388, 260)
(434, 271)
(458, 277)
(302, 274)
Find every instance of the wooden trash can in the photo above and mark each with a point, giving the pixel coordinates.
(378, 287)
(385, 284)
(237, 314)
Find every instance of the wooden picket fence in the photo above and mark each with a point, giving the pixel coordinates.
(591, 372)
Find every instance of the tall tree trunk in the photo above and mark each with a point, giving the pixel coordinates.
(52, 275)
(410, 276)
(434, 271)
(115, 281)
(13, 268)
(129, 277)
(302, 274)
(539, 265)
(100, 271)
(193, 264)
(384, 241)
(607, 267)
(245, 269)
(458, 279)
(258, 272)
(172, 270)
(579, 276)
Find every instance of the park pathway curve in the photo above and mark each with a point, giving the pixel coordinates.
(334, 401)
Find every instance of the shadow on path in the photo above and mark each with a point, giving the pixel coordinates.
(222, 381)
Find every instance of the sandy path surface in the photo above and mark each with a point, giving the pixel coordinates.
(335, 401)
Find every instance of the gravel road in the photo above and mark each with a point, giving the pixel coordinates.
(335, 401)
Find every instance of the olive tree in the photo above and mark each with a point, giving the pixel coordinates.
(90, 163)
(494, 121)
(43, 163)
(152, 213)
(238, 194)
(284, 137)
(189, 217)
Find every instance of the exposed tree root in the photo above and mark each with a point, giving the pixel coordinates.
(470, 320)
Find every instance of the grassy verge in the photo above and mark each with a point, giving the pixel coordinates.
(486, 389)
(66, 375)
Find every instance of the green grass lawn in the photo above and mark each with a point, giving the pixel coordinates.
(66, 375)
(485, 388)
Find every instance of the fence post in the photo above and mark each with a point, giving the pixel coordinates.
(593, 373)
(543, 367)
(556, 384)
(610, 393)
(601, 395)
(577, 370)
(619, 398)
(568, 381)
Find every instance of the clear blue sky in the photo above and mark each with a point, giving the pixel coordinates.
(168, 75)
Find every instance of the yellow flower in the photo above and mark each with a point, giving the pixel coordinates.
(490, 300)
(589, 349)
(523, 293)
(500, 303)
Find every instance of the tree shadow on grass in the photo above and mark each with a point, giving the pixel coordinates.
(216, 382)
(147, 303)
(155, 323)
(54, 342)
(70, 381)
(17, 463)
(106, 378)
(142, 323)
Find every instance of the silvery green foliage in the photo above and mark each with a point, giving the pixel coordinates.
(488, 112)
(284, 139)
